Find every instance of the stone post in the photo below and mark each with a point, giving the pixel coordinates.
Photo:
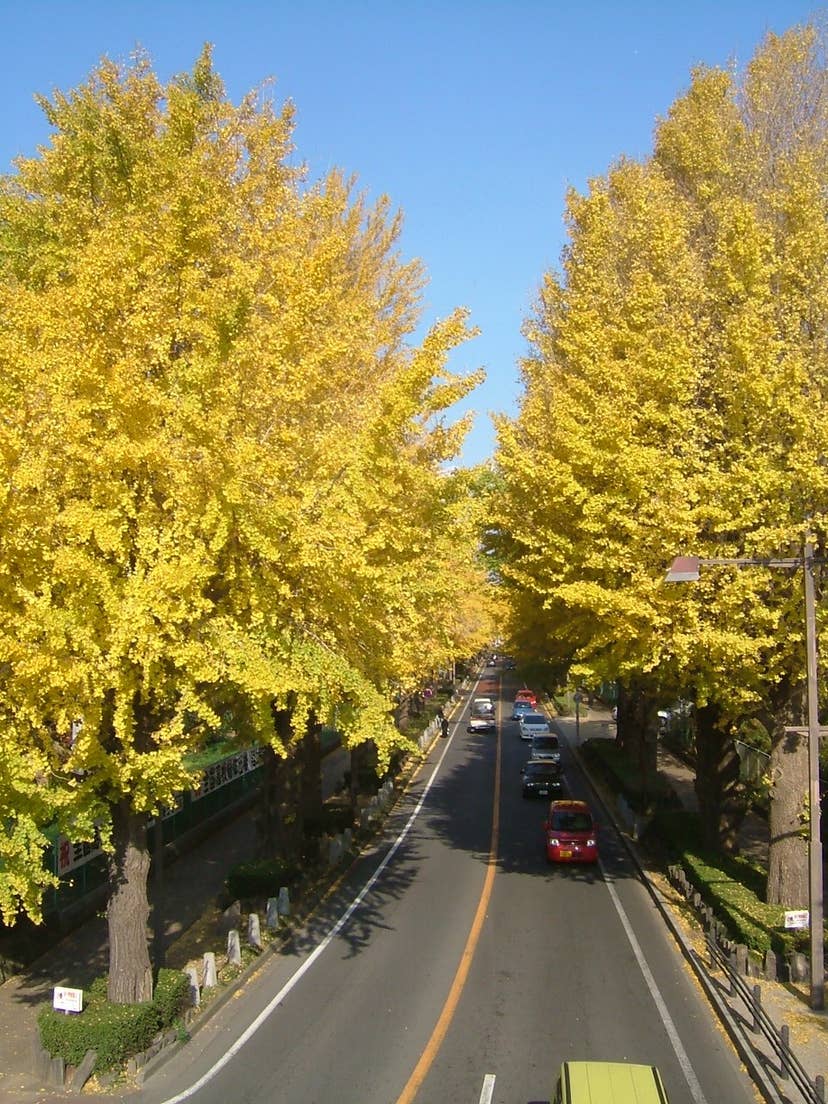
(209, 976)
(254, 933)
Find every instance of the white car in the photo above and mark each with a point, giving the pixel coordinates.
(534, 724)
(483, 705)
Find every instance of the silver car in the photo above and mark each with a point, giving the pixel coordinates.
(545, 747)
(520, 709)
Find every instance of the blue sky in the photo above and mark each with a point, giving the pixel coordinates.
(473, 116)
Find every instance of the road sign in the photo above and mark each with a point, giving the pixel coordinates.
(797, 918)
(67, 1000)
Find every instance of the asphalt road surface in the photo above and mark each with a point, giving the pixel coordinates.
(453, 964)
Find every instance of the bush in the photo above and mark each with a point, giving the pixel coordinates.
(171, 996)
(115, 1031)
(261, 878)
(733, 887)
(748, 919)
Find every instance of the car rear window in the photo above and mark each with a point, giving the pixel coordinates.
(545, 742)
(534, 718)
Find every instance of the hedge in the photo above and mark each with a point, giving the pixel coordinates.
(261, 878)
(732, 886)
(115, 1031)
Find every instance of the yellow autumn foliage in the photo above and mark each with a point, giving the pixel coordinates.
(224, 457)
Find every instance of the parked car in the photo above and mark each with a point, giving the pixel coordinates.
(533, 724)
(545, 747)
(609, 1083)
(527, 695)
(521, 708)
(542, 778)
(571, 833)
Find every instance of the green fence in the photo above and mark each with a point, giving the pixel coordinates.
(82, 867)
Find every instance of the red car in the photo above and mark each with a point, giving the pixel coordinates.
(527, 696)
(571, 833)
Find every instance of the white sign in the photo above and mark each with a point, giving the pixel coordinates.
(797, 918)
(67, 1000)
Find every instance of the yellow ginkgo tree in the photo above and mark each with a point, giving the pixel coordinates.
(676, 402)
(219, 446)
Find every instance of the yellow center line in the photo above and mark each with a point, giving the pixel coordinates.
(453, 999)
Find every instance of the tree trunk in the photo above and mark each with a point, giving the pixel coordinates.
(130, 972)
(723, 798)
(788, 856)
(637, 731)
(278, 820)
(363, 764)
(311, 772)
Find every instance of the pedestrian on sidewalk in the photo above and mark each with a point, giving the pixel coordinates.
(443, 726)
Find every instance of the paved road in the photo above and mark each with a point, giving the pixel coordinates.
(570, 963)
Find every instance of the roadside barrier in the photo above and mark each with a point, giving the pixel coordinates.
(788, 1065)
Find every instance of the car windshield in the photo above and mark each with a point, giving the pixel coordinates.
(572, 822)
(545, 743)
(534, 718)
(543, 770)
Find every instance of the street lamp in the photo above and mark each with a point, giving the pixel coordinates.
(688, 569)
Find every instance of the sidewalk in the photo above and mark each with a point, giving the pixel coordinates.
(785, 1004)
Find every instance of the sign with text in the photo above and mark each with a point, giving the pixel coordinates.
(67, 1000)
(797, 918)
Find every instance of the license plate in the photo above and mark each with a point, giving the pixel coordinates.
(543, 790)
(566, 854)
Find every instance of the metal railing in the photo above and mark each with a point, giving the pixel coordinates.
(788, 1067)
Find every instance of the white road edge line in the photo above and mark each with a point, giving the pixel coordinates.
(681, 1054)
(487, 1092)
(251, 1030)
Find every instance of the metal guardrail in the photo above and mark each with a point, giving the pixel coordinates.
(789, 1067)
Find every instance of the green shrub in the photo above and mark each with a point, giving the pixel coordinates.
(732, 886)
(171, 996)
(748, 919)
(261, 878)
(114, 1031)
